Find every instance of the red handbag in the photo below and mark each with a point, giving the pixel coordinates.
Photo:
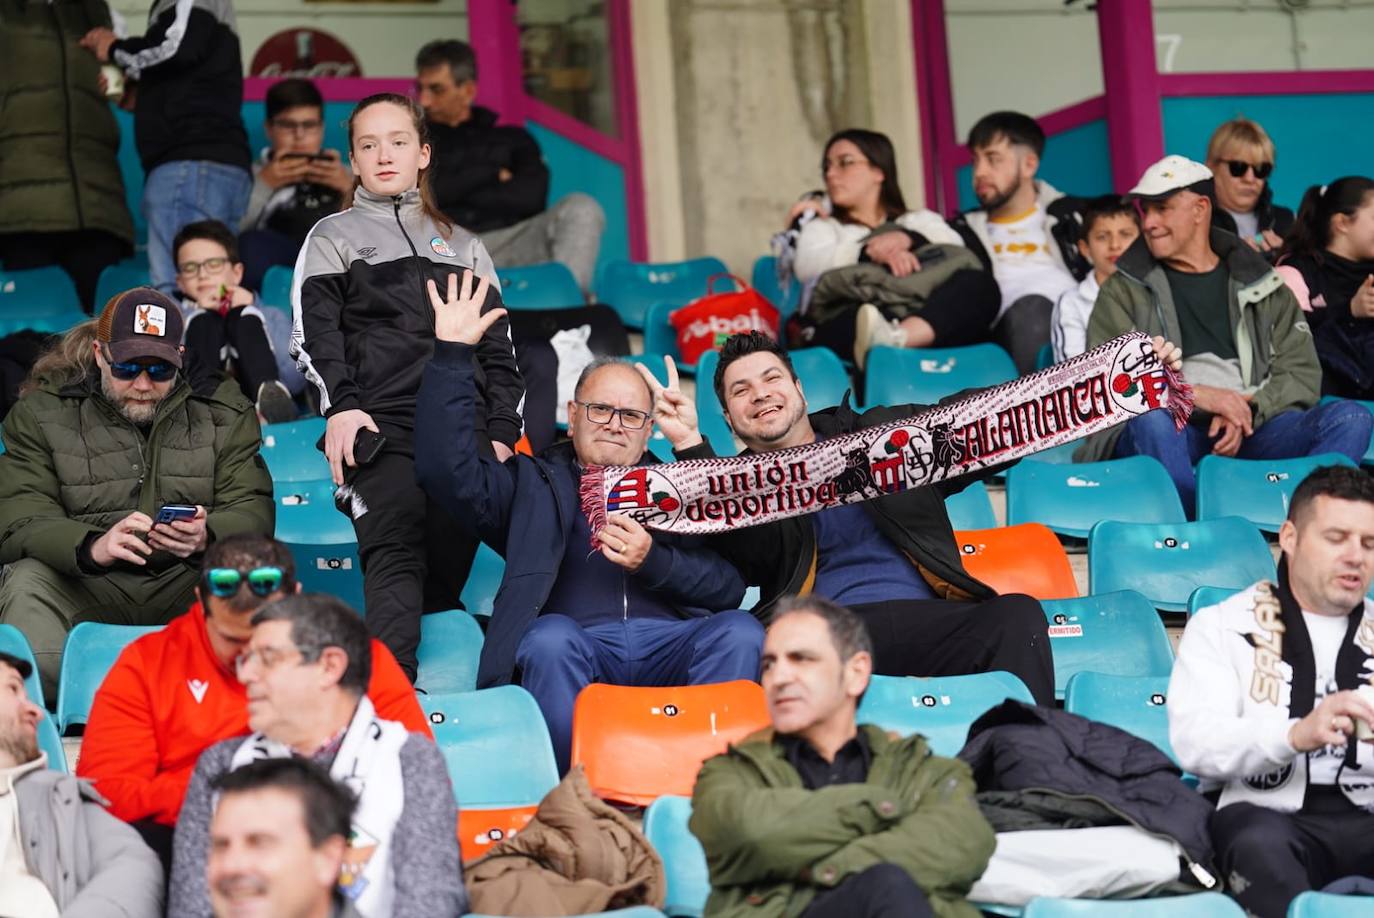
(704, 324)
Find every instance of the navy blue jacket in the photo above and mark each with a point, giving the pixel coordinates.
(525, 514)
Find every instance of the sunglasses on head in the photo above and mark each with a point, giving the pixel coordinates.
(1238, 168)
(224, 582)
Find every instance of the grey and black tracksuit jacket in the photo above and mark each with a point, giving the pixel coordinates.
(363, 323)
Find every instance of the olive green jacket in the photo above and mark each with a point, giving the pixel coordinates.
(74, 466)
(772, 845)
(59, 143)
(1278, 360)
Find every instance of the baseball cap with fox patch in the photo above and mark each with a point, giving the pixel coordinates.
(141, 323)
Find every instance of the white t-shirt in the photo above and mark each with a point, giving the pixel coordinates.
(1247, 225)
(21, 893)
(1022, 260)
(1327, 633)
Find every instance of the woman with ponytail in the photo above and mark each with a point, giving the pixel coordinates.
(363, 332)
(1328, 262)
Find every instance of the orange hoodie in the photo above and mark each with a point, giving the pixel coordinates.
(167, 698)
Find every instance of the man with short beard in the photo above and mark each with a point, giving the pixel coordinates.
(107, 433)
(60, 852)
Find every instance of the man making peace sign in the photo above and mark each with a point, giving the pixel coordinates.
(643, 609)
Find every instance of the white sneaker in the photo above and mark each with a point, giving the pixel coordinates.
(872, 329)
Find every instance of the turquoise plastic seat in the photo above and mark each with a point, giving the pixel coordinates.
(50, 742)
(1165, 562)
(630, 288)
(1325, 905)
(1071, 499)
(684, 860)
(971, 508)
(450, 644)
(496, 745)
(823, 376)
(544, 286)
(276, 287)
(940, 709)
(38, 292)
(1135, 704)
(479, 593)
(1044, 357)
(321, 539)
(923, 376)
(764, 279)
(660, 338)
(90, 651)
(290, 453)
(118, 277)
(1256, 489)
(13, 642)
(710, 416)
(1117, 633)
(52, 323)
(1205, 596)
(1199, 905)
(638, 911)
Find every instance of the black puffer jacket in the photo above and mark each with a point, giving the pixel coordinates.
(1021, 747)
(466, 174)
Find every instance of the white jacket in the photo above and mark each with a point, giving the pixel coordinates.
(826, 243)
(1228, 704)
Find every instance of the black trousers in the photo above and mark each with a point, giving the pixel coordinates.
(415, 557)
(263, 249)
(240, 340)
(936, 637)
(881, 891)
(1267, 858)
(83, 254)
(1024, 329)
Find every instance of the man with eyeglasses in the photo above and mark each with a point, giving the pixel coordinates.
(174, 693)
(296, 180)
(643, 610)
(305, 670)
(108, 436)
(1247, 349)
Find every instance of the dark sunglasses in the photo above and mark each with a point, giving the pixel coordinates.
(1238, 168)
(224, 582)
(157, 372)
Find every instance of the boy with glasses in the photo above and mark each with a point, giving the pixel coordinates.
(174, 693)
(108, 432)
(227, 328)
(643, 610)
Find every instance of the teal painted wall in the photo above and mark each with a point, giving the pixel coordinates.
(1075, 162)
(1317, 138)
(573, 168)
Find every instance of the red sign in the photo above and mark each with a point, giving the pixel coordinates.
(304, 53)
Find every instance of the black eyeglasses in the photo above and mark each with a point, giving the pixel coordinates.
(630, 418)
(1238, 168)
(127, 371)
(224, 582)
(192, 268)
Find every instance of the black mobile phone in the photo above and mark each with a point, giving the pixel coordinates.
(367, 446)
(930, 255)
(296, 156)
(170, 512)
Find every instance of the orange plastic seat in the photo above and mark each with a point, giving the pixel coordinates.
(480, 828)
(638, 744)
(1026, 558)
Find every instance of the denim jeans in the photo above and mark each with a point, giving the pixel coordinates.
(183, 192)
(1335, 427)
(559, 658)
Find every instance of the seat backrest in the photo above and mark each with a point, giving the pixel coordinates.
(90, 651)
(1255, 489)
(38, 292)
(1165, 562)
(710, 415)
(483, 826)
(684, 860)
(116, 278)
(276, 287)
(1071, 499)
(549, 285)
(496, 746)
(764, 279)
(923, 376)
(639, 743)
(1018, 559)
(321, 539)
(290, 453)
(941, 709)
(1205, 596)
(1199, 905)
(660, 338)
(632, 287)
(13, 642)
(1118, 633)
(450, 644)
(484, 579)
(1326, 905)
(823, 376)
(971, 508)
(1135, 704)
